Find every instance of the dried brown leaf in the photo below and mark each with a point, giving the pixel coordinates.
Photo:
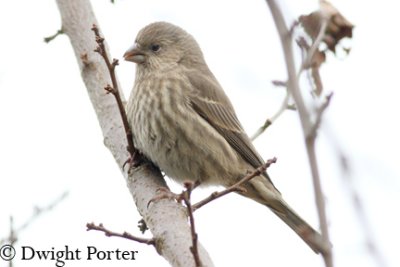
(317, 59)
(338, 27)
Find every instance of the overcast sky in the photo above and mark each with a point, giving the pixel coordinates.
(50, 141)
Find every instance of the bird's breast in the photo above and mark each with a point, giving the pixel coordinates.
(171, 134)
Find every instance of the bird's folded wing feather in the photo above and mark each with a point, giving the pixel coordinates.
(216, 109)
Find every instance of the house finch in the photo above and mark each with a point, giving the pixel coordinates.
(184, 123)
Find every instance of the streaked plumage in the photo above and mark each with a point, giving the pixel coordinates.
(182, 120)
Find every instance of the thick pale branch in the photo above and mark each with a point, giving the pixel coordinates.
(166, 219)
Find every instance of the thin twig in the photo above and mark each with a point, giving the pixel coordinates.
(115, 91)
(305, 119)
(319, 113)
(50, 38)
(370, 241)
(371, 244)
(314, 47)
(269, 121)
(40, 210)
(309, 61)
(236, 187)
(126, 235)
(186, 199)
(12, 239)
(13, 236)
(15, 231)
(292, 83)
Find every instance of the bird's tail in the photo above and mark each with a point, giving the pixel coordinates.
(310, 236)
(263, 191)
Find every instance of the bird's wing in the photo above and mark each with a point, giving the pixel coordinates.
(211, 103)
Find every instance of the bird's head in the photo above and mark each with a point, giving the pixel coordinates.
(161, 46)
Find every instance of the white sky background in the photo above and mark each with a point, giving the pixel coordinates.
(50, 140)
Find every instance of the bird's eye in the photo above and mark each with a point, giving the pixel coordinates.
(155, 47)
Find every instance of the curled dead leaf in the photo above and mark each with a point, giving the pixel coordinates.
(337, 27)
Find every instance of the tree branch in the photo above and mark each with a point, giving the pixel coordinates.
(126, 235)
(134, 156)
(273, 118)
(186, 198)
(312, 134)
(236, 187)
(306, 122)
(166, 219)
(50, 38)
(114, 90)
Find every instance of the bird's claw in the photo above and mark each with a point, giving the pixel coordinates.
(163, 193)
(133, 161)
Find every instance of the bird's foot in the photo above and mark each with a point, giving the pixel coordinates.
(165, 193)
(133, 161)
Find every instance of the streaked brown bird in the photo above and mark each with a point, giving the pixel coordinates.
(182, 121)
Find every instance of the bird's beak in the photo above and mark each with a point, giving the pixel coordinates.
(134, 54)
